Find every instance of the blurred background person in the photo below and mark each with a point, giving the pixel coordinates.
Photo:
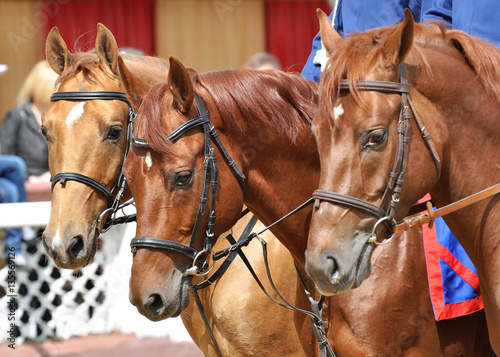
(12, 175)
(263, 60)
(20, 131)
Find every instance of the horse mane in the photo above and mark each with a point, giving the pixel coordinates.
(284, 102)
(361, 51)
(88, 63)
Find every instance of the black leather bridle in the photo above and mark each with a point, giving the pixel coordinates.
(118, 187)
(396, 179)
(210, 178)
(199, 266)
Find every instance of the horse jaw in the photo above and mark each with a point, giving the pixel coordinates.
(156, 295)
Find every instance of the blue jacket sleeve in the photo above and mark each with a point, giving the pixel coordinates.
(437, 10)
(312, 71)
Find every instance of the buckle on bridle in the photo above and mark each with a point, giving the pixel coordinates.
(373, 236)
(105, 226)
(196, 270)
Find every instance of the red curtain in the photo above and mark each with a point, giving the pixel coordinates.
(290, 29)
(130, 21)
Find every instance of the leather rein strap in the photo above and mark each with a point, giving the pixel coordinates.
(429, 216)
(120, 183)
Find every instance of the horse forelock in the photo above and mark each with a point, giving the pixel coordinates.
(285, 102)
(94, 71)
(149, 122)
(89, 65)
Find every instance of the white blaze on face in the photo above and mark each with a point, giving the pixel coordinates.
(149, 161)
(338, 111)
(74, 114)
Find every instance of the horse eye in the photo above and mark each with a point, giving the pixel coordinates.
(375, 137)
(183, 178)
(114, 133)
(43, 131)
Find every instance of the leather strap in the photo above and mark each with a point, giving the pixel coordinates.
(97, 95)
(377, 86)
(73, 176)
(120, 183)
(427, 139)
(233, 252)
(154, 243)
(429, 216)
(190, 124)
(337, 198)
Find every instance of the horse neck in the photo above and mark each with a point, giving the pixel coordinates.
(280, 178)
(468, 132)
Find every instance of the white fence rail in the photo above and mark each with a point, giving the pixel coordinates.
(55, 303)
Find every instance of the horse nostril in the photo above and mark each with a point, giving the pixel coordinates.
(76, 247)
(154, 304)
(334, 270)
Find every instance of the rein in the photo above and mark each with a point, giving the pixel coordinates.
(408, 224)
(396, 178)
(120, 183)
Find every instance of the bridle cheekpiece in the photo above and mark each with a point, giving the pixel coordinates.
(396, 178)
(210, 179)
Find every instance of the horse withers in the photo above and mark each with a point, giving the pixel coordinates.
(384, 93)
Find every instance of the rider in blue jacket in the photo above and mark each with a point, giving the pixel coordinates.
(356, 16)
(477, 18)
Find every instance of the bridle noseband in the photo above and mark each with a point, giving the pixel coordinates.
(210, 179)
(120, 183)
(393, 190)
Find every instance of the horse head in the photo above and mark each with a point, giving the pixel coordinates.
(169, 169)
(356, 131)
(86, 131)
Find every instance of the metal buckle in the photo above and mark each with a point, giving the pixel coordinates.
(195, 270)
(103, 229)
(373, 236)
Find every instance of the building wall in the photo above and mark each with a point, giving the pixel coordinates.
(205, 34)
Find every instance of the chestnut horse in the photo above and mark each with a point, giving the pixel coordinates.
(89, 139)
(260, 124)
(446, 85)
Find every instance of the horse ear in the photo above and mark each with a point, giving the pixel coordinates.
(106, 48)
(400, 42)
(329, 36)
(56, 51)
(135, 87)
(180, 85)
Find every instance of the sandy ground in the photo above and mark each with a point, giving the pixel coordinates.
(108, 345)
